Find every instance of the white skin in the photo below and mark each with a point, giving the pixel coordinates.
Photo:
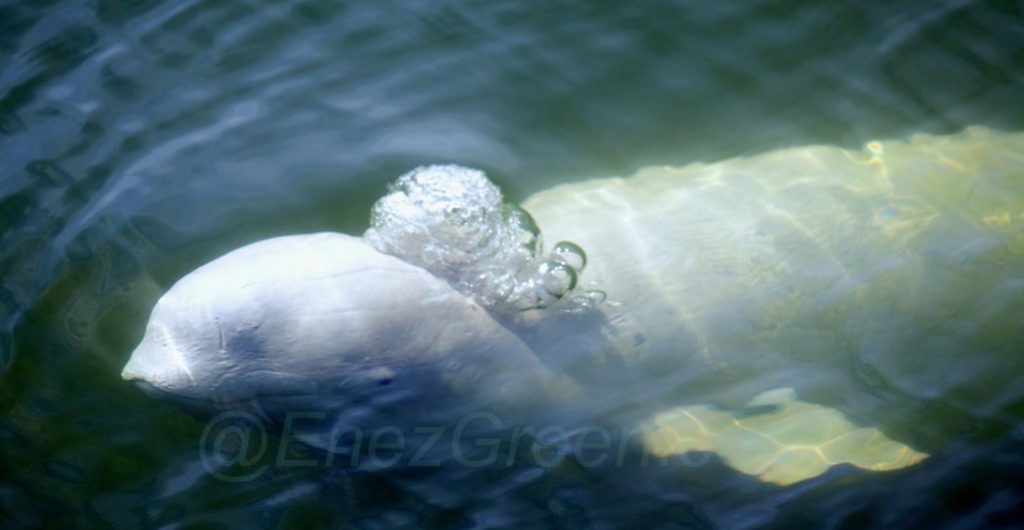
(813, 257)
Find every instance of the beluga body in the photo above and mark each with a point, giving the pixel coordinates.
(754, 308)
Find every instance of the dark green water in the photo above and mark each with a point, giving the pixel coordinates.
(141, 139)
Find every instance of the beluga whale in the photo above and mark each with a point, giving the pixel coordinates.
(767, 309)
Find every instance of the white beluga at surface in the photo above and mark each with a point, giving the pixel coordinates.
(760, 308)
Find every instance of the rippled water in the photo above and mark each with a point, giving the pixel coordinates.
(141, 139)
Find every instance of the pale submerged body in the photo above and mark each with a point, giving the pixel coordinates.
(707, 292)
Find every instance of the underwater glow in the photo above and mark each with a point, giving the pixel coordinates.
(789, 442)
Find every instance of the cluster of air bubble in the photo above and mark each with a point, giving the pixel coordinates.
(454, 222)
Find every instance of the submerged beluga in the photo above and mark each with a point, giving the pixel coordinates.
(754, 308)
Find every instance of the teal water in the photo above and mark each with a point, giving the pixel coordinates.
(139, 140)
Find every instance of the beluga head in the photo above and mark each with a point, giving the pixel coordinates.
(417, 310)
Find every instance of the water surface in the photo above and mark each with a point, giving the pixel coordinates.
(140, 139)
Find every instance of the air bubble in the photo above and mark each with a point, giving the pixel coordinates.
(571, 254)
(595, 296)
(529, 233)
(557, 278)
(583, 302)
(454, 222)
